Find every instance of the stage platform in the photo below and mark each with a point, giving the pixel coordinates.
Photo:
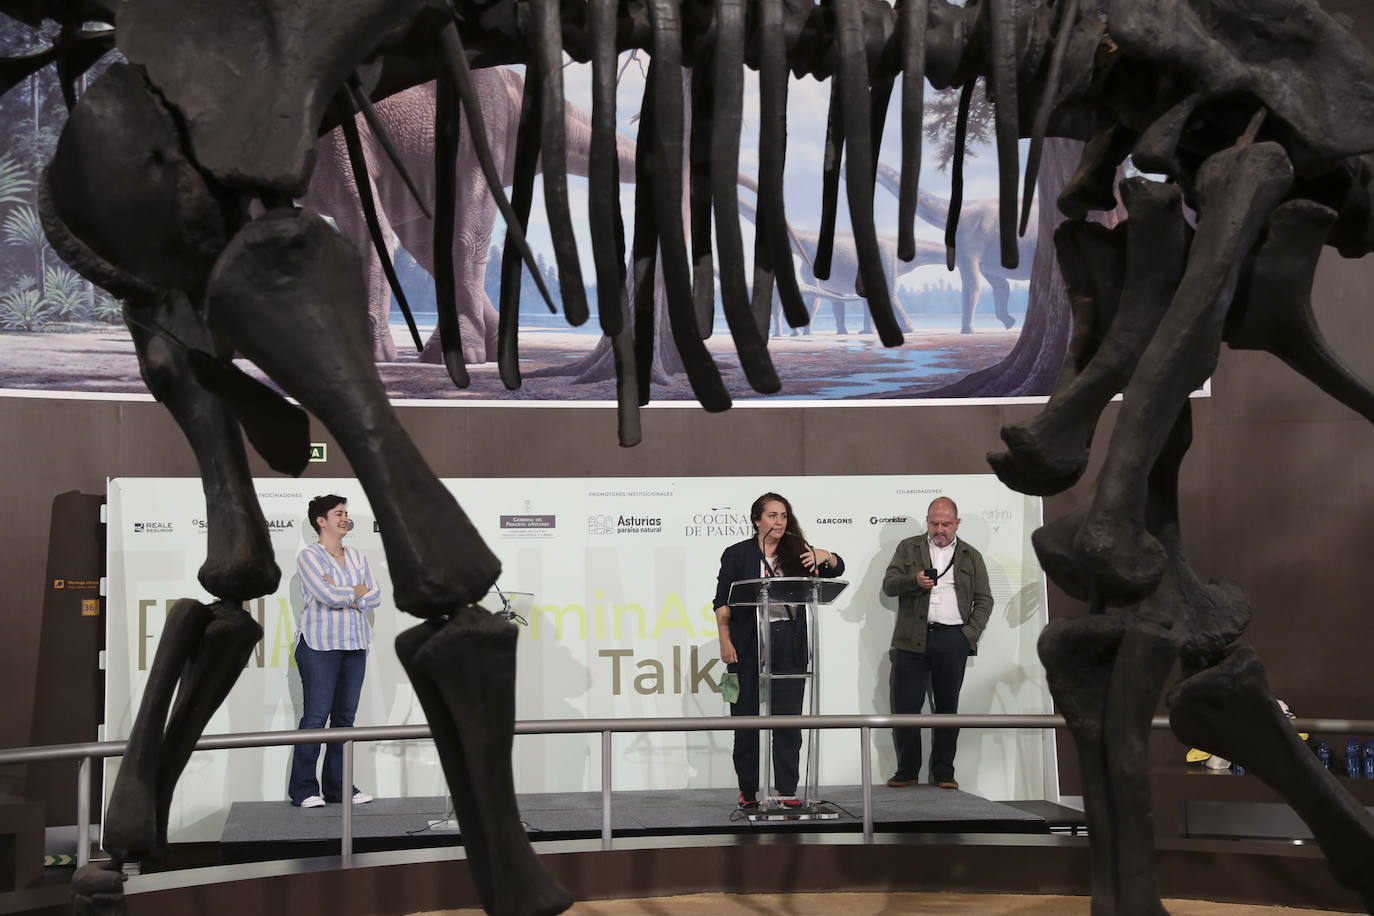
(263, 831)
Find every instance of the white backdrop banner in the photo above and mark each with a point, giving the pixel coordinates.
(621, 575)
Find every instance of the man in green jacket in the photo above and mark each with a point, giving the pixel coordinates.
(943, 604)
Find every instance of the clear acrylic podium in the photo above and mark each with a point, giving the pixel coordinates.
(777, 598)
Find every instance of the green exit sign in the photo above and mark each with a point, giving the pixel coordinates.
(319, 451)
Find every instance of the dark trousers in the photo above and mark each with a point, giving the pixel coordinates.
(332, 682)
(939, 670)
(788, 639)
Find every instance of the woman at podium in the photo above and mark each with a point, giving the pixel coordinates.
(776, 549)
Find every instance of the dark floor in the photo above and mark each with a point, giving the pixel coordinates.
(258, 831)
(885, 904)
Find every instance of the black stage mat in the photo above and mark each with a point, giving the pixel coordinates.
(260, 831)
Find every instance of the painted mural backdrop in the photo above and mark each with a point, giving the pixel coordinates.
(979, 330)
(618, 578)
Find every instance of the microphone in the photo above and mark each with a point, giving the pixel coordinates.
(507, 612)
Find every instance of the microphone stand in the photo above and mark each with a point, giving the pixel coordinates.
(507, 612)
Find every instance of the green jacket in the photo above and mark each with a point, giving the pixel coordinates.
(971, 590)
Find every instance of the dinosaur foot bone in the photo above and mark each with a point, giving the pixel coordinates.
(97, 891)
(1105, 673)
(463, 671)
(130, 823)
(1078, 656)
(1230, 710)
(199, 658)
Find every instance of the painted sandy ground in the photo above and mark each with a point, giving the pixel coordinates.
(100, 359)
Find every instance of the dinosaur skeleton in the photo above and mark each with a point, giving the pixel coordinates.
(407, 118)
(172, 184)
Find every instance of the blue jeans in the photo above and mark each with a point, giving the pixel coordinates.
(331, 681)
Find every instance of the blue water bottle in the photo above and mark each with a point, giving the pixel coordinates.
(1369, 759)
(1324, 754)
(1352, 758)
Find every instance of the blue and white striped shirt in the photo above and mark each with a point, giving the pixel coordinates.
(332, 618)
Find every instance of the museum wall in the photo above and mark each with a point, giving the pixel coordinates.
(1276, 490)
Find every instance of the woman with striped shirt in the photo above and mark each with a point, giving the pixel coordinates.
(331, 649)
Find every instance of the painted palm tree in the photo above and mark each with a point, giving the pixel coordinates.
(23, 229)
(16, 187)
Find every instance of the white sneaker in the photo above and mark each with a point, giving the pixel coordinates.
(313, 801)
(361, 798)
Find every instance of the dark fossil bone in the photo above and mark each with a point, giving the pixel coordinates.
(463, 671)
(171, 185)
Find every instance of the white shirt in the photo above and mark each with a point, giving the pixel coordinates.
(332, 617)
(944, 604)
(767, 569)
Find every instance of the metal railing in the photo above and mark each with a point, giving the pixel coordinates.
(99, 750)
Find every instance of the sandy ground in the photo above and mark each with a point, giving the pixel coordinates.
(818, 366)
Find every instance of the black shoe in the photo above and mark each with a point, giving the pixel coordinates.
(748, 804)
(899, 781)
